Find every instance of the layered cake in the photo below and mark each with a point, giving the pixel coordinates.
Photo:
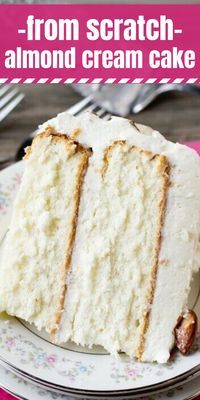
(104, 237)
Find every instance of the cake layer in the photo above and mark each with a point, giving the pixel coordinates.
(113, 271)
(38, 246)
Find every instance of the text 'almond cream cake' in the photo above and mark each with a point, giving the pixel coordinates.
(104, 237)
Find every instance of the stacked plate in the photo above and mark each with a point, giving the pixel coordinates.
(32, 368)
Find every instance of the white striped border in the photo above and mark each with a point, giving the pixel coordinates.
(99, 80)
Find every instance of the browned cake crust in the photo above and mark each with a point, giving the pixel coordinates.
(107, 153)
(72, 147)
(164, 172)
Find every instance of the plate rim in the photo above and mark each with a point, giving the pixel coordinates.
(4, 387)
(185, 377)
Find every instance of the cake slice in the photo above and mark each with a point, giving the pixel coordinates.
(104, 238)
(178, 254)
(37, 252)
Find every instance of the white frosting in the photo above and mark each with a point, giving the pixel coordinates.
(180, 249)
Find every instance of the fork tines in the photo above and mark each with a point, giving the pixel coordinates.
(10, 97)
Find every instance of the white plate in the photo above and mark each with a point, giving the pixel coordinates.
(72, 369)
(27, 391)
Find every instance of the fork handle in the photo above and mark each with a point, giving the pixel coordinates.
(149, 92)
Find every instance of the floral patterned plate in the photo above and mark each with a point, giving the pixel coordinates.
(72, 369)
(22, 389)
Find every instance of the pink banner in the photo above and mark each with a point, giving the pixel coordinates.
(100, 43)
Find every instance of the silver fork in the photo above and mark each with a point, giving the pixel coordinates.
(84, 105)
(9, 99)
(122, 99)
